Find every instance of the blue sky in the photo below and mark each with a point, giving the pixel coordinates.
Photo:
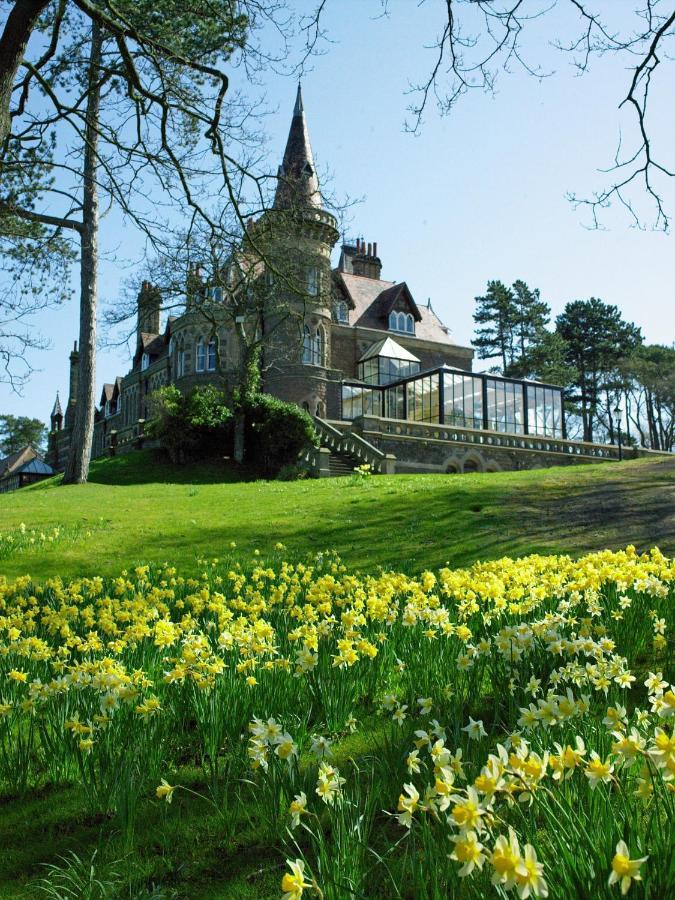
(476, 196)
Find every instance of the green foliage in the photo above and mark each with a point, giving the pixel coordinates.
(190, 426)
(597, 339)
(546, 360)
(277, 432)
(16, 432)
(496, 314)
(293, 472)
(531, 316)
(648, 376)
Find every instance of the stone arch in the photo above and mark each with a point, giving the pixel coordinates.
(492, 466)
(452, 466)
(472, 463)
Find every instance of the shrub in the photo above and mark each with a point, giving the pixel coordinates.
(294, 472)
(190, 426)
(276, 433)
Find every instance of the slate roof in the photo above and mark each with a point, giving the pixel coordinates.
(298, 183)
(12, 463)
(35, 466)
(372, 299)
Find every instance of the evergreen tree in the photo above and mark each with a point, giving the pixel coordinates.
(496, 314)
(531, 315)
(649, 395)
(546, 359)
(156, 63)
(17, 432)
(597, 339)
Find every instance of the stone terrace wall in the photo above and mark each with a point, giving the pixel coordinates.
(423, 447)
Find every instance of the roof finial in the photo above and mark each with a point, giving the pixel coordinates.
(299, 109)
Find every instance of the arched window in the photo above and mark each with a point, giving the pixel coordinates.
(319, 346)
(201, 355)
(393, 321)
(401, 321)
(306, 345)
(211, 359)
(409, 324)
(145, 361)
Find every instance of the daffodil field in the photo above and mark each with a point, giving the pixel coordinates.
(502, 730)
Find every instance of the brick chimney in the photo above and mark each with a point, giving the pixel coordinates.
(149, 304)
(365, 261)
(74, 382)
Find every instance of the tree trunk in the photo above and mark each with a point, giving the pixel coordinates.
(15, 36)
(239, 449)
(77, 468)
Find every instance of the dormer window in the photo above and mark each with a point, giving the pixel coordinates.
(145, 361)
(307, 170)
(108, 411)
(341, 312)
(402, 322)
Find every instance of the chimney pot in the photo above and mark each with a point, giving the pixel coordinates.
(370, 249)
(375, 248)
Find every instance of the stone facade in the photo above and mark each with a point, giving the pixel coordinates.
(320, 342)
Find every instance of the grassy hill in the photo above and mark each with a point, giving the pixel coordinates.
(138, 508)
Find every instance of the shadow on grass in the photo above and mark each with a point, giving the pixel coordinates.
(154, 467)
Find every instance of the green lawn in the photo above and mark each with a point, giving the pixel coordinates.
(138, 508)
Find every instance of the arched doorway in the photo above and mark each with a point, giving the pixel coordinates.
(472, 464)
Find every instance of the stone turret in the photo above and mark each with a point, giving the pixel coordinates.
(56, 416)
(74, 382)
(301, 234)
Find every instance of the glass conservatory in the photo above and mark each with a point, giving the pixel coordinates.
(451, 397)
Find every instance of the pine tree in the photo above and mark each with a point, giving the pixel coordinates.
(496, 313)
(532, 315)
(597, 339)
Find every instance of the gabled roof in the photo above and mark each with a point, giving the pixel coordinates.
(371, 309)
(389, 297)
(107, 393)
(117, 390)
(389, 348)
(147, 340)
(152, 344)
(12, 463)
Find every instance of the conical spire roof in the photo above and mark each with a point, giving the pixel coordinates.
(298, 185)
(57, 411)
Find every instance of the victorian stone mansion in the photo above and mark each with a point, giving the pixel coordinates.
(379, 372)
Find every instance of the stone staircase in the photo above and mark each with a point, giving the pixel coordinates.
(339, 464)
(342, 451)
